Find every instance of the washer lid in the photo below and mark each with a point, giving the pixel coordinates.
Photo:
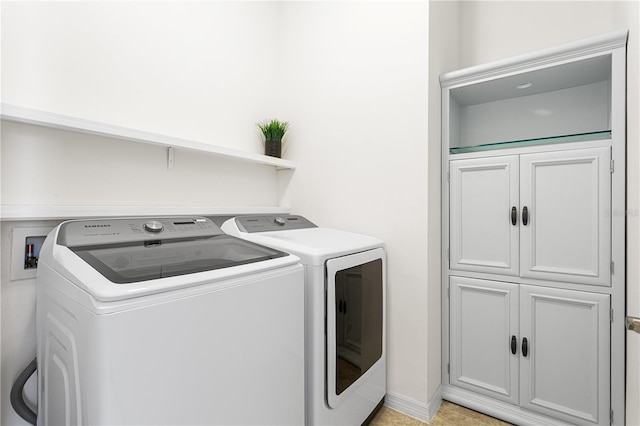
(133, 250)
(143, 261)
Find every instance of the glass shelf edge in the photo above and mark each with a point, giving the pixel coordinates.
(581, 137)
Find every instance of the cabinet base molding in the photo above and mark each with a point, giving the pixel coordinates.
(497, 409)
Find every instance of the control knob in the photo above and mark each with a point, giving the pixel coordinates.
(279, 221)
(153, 226)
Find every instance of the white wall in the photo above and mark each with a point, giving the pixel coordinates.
(203, 71)
(444, 30)
(350, 77)
(491, 30)
(198, 70)
(43, 166)
(355, 77)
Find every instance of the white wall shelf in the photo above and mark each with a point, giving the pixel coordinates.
(24, 115)
(44, 212)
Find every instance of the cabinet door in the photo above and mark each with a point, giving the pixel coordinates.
(484, 320)
(567, 197)
(483, 195)
(565, 373)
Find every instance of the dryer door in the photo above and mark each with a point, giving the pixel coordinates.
(355, 321)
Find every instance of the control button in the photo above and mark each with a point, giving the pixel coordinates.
(279, 221)
(153, 226)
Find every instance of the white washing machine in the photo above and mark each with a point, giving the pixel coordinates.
(167, 321)
(345, 280)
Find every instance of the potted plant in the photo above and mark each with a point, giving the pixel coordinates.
(273, 131)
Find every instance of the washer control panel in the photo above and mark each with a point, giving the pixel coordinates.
(77, 233)
(252, 224)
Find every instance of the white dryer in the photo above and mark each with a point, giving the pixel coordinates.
(167, 321)
(345, 280)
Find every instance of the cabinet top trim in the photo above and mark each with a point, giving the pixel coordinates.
(567, 51)
(52, 120)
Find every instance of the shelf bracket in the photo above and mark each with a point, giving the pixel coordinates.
(170, 158)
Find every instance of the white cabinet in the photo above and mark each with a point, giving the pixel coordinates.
(542, 216)
(533, 235)
(544, 349)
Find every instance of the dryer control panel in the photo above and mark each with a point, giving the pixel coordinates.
(79, 233)
(272, 223)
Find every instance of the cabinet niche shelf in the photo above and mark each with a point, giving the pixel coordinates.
(52, 120)
(580, 137)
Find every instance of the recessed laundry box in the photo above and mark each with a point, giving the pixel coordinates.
(167, 321)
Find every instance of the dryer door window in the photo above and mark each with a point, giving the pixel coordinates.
(355, 320)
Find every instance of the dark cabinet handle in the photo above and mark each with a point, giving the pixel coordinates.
(340, 306)
(525, 347)
(344, 307)
(514, 215)
(525, 215)
(514, 344)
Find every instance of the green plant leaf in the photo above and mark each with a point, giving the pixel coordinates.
(273, 130)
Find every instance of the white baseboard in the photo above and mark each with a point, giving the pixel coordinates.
(414, 408)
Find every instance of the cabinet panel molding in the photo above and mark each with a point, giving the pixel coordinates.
(483, 193)
(484, 320)
(568, 235)
(566, 371)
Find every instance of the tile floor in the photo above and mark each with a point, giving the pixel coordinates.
(448, 415)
